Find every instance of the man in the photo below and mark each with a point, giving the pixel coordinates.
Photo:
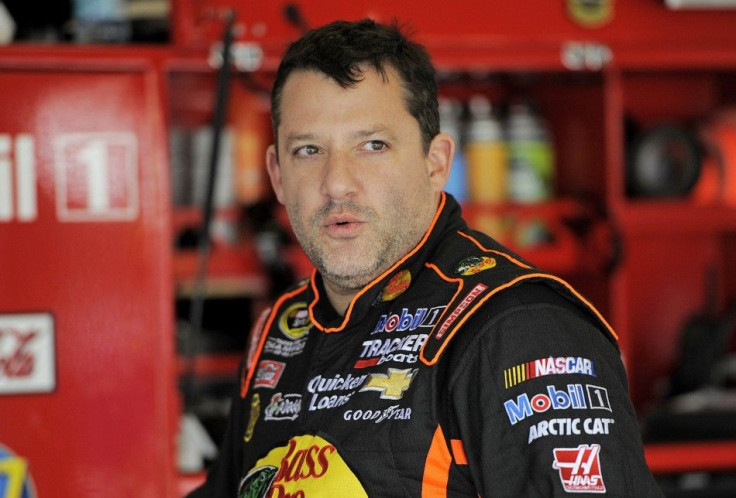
(421, 358)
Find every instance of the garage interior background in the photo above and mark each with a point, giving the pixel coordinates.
(111, 346)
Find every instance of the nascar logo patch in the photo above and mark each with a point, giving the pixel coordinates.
(547, 366)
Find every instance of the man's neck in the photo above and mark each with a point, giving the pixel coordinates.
(339, 297)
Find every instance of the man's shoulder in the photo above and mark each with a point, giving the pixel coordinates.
(477, 268)
(467, 254)
(492, 282)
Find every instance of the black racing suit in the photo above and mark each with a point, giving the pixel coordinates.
(461, 371)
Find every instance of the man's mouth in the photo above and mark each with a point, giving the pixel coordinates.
(342, 225)
(341, 220)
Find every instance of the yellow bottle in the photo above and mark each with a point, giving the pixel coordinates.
(486, 154)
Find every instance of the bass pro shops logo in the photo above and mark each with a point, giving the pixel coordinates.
(308, 466)
(580, 468)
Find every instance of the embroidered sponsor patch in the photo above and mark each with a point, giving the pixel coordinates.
(396, 286)
(394, 412)
(399, 349)
(469, 298)
(283, 407)
(258, 482)
(307, 466)
(569, 427)
(580, 468)
(547, 366)
(284, 347)
(573, 397)
(294, 322)
(322, 388)
(255, 412)
(268, 373)
(391, 385)
(475, 264)
(406, 320)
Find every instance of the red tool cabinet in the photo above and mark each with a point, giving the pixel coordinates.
(87, 387)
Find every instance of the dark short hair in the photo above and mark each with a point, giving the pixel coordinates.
(339, 49)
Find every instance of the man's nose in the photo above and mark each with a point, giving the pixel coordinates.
(339, 180)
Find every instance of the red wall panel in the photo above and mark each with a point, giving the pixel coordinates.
(85, 241)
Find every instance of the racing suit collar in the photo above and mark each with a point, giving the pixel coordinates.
(393, 281)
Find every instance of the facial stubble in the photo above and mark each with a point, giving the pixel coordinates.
(387, 242)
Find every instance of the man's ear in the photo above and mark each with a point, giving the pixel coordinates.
(439, 160)
(274, 172)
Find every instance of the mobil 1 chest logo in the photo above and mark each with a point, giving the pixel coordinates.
(398, 337)
(294, 325)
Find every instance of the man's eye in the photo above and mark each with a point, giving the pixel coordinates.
(306, 151)
(375, 145)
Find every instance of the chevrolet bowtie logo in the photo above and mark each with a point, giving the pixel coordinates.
(391, 385)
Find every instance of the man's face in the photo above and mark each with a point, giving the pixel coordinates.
(359, 190)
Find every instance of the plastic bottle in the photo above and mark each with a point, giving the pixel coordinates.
(101, 21)
(486, 154)
(450, 114)
(532, 170)
(531, 156)
(249, 120)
